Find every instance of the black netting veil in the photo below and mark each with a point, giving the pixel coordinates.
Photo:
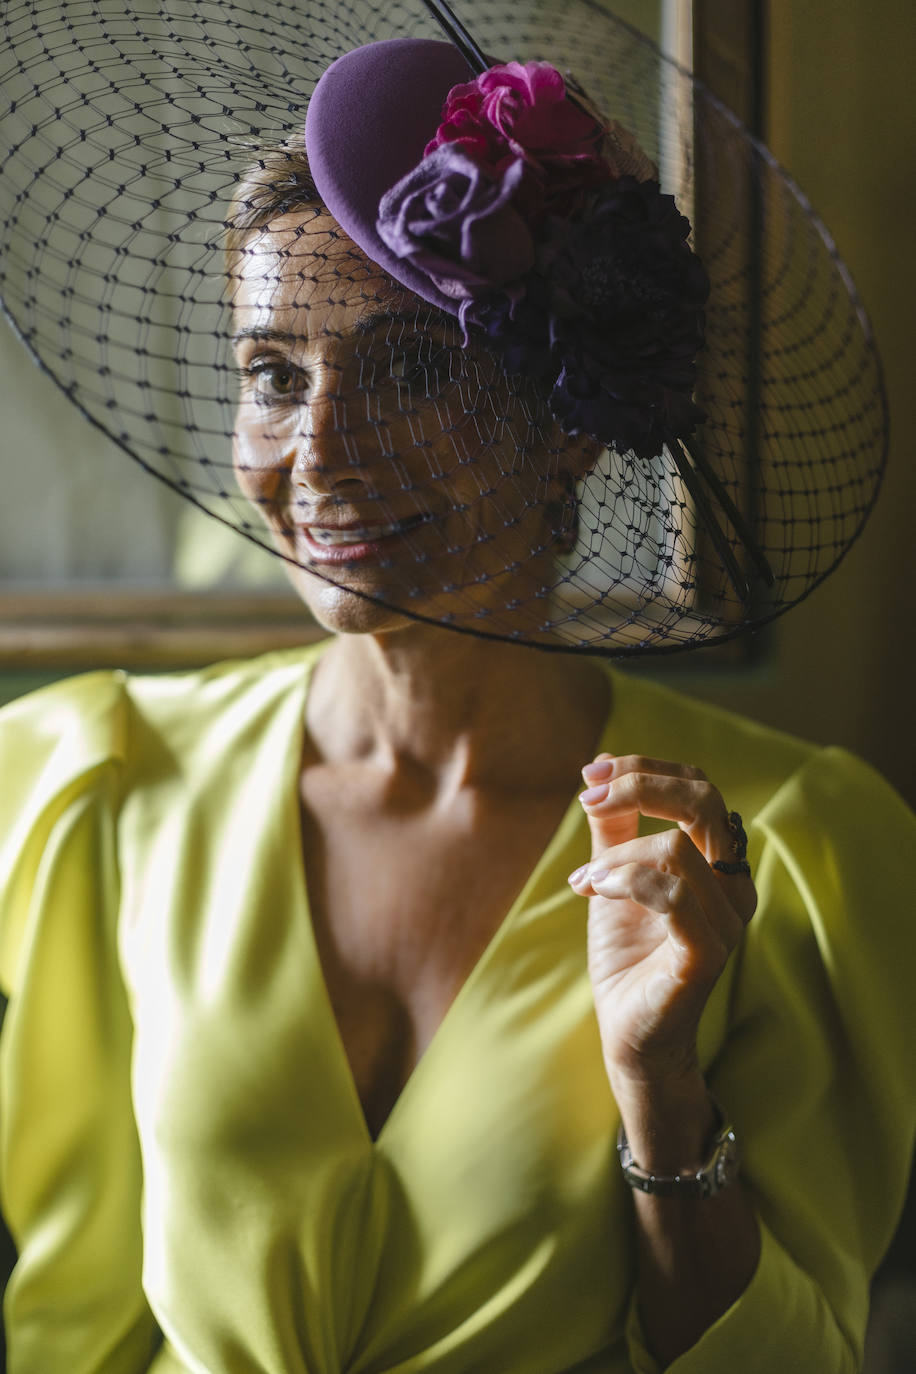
(164, 259)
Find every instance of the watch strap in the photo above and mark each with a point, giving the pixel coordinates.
(720, 1170)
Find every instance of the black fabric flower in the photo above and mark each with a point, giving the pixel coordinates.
(613, 316)
(634, 408)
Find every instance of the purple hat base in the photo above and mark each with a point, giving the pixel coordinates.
(368, 122)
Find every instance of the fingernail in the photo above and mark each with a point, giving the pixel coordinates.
(599, 771)
(591, 795)
(578, 875)
(598, 875)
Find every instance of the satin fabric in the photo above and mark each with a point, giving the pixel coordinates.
(183, 1158)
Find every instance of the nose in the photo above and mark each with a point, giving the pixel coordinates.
(332, 451)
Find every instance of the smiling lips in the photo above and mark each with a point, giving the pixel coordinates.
(365, 534)
(351, 543)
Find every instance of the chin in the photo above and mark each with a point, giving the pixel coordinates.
(343, 612)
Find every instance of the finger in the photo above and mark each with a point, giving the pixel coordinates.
(671, 854)
(599, 768)
(610, 829)
(701, 948)
(672, 792)
(604, 766)
(686, 797)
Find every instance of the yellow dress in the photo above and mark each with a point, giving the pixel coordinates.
(185, 1166)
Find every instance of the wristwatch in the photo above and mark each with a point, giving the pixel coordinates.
(720, 1169)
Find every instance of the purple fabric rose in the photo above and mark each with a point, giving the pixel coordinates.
(455, 221)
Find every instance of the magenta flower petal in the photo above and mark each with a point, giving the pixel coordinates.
(518, 108)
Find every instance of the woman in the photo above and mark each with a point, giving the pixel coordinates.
(315, 1060)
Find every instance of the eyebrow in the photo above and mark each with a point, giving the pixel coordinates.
(271, 335)
(365, 324)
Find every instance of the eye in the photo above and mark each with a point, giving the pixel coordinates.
(270, 380)
(407, 363)
(419, 363)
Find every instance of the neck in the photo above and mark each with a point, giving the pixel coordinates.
(468, 712)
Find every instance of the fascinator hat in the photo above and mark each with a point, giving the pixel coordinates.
(500, 321)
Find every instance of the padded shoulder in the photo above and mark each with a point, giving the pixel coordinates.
(55, 746)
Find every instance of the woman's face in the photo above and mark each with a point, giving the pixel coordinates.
(386, 458)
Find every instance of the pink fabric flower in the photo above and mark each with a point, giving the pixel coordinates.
(521, 110)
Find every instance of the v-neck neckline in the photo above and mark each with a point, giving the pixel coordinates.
(301, 914)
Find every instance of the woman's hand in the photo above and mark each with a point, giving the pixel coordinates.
(662, 922)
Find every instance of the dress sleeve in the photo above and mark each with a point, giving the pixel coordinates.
(817, 1071)
(69, 1161)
